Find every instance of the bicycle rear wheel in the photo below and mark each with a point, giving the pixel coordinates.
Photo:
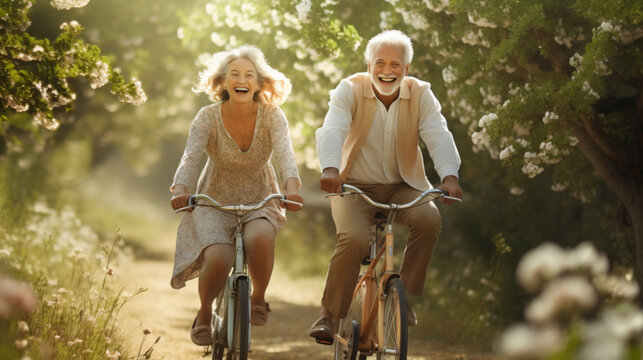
(347, 327)
(241, 340)
(395, 321)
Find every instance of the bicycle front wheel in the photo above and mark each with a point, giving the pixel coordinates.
(345, 347)
(395, 323)
(241, 340)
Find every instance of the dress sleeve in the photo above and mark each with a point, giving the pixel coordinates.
(187, 172)
(282, 146)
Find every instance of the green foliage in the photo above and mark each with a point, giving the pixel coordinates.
(35, 74)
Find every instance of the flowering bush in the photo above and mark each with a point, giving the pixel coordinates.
(581, 311)
(71, 273)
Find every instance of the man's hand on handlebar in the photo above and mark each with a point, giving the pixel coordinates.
(330, 181)
(452, 187)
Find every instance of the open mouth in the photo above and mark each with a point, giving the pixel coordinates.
(241, 90)
(387, 79)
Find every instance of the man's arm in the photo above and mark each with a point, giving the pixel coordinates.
(439, 141)
(331, 136)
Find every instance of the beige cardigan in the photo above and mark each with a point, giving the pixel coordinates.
(408, 153)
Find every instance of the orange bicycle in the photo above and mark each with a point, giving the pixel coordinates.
(377, 322)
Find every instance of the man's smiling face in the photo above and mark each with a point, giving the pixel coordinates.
(387, 68)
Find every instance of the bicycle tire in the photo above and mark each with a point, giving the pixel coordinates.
(395, 320)
(218, 332)
(346, 328)
(241, 340)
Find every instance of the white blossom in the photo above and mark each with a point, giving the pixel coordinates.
(439, 7)
(558, 187)
(478, 20)
(587, 88)
(549, 117)
(507, 152)
(487, 119)
(99, 75)
(449, 74)
(576, 61)
(68, 4)
(573, 140)
(516, 191)
(303, 10)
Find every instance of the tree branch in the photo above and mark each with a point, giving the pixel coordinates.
(605, 143)
(605, 167)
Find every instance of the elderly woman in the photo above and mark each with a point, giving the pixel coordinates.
(238, 132)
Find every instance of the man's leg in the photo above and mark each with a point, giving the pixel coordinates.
(424, 223)
(352, 217)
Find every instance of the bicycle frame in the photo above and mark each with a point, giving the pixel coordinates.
(240, 267)
(374, 284)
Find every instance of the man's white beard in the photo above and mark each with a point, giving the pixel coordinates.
(390, 88)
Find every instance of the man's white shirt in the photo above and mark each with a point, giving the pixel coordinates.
(376, 163)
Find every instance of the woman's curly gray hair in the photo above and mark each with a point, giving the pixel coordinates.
(274, 87)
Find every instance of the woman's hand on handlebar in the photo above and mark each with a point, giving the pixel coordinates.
(293, 197)
(180, 197)
(452, 187)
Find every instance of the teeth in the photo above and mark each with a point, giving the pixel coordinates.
(243, 89)
(387, 79)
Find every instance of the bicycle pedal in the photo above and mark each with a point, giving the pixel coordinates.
(325, 341)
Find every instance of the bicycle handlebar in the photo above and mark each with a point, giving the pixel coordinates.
(242, 209)
(433, 193)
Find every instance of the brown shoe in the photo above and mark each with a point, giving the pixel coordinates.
(201, 335)
(323, 330)
(259, 314)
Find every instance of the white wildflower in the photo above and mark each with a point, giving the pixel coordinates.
(573, 140)
(480, 137)
(585, 258)
(616, 286)
(560, 297)
(539, 265)
(522, 341)
(516, 191)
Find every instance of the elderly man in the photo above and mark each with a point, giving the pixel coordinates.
(370, 138)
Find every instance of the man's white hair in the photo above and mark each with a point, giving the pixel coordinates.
(394, 37)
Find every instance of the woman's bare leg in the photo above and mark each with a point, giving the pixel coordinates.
(218, 260)
(260, 253)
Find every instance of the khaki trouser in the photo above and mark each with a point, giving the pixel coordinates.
(353, 216)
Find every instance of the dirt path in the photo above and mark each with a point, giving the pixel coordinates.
(169, 313)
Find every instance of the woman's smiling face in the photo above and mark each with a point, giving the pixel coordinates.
(387, 68)
(241, 80)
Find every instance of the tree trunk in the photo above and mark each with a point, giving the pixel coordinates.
(628, 189)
